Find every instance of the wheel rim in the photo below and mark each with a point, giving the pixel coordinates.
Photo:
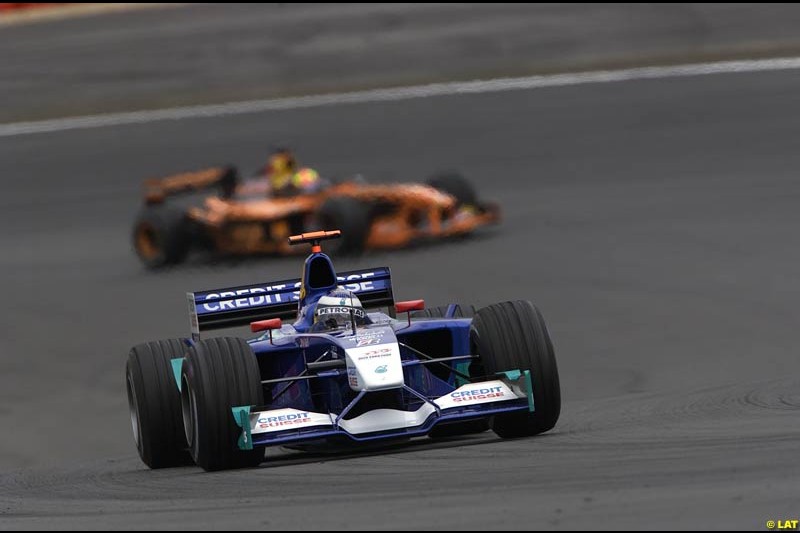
(147, 242)
(133, 407)
(188, 411)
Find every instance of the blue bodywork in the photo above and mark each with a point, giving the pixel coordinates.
(316, 360)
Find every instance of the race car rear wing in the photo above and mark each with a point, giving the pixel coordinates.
(238, 306)
(156, 190)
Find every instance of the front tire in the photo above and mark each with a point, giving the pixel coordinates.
(218, 374)
(155, 405)
(513, 336)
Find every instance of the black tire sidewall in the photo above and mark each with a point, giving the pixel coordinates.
(154, 395)
(171, 231)
(513, 336)
(220, 373)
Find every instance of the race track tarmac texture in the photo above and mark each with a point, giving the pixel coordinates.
(654, 223)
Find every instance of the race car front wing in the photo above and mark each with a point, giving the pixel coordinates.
(512, 392)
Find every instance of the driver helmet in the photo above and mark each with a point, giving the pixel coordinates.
(338, 309)
(280, 168)
(306, 180)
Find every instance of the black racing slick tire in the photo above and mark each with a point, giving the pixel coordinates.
(218, 374)
(161, 236)
(349, 215)
(513, 336)
(456, 186)
(155, 404)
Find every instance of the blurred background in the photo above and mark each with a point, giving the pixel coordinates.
(122, 57)
(652, 219)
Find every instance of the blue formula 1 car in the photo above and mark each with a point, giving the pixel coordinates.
(336, 373)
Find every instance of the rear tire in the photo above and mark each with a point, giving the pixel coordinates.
(155, 403)
(456, 186)
(161, 236)
(349, 215)
(218, 374)
(513, 336)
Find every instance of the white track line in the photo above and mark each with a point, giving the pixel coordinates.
(395, 94)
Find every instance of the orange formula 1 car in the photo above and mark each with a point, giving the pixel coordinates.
(214, 210)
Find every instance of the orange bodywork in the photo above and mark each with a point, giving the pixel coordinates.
(249, 222)
(156, 190)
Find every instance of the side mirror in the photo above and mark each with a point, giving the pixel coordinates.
(408, 306)
(261, 325)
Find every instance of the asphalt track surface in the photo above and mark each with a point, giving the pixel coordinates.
(654, 223)
(212, 53)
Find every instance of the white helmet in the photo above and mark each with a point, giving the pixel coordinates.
(338, 309)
